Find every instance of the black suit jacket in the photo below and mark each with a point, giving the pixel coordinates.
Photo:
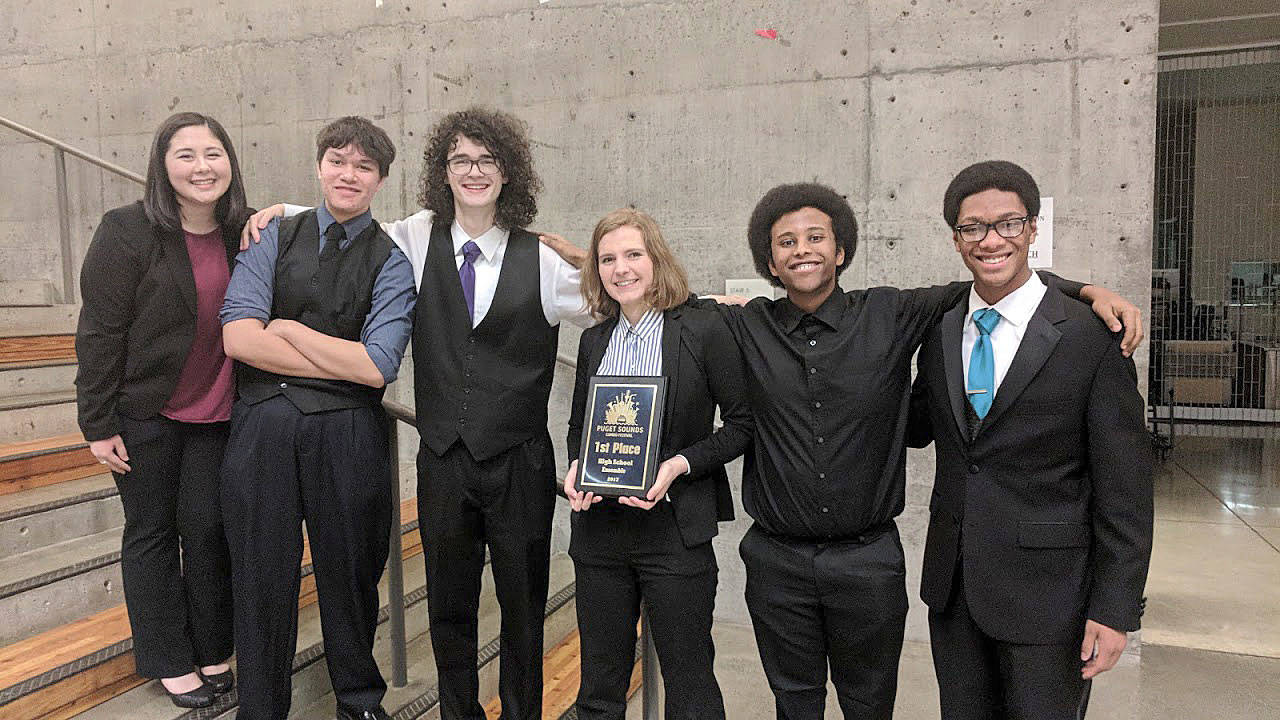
(703, 368)
(138, 319)
(1049, 508)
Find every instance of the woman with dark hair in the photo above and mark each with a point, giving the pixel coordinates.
(154, 391)
(656, 548)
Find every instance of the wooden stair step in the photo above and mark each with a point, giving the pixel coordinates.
(37, 348)
(47, 461)
(69, 669)
(561, 678)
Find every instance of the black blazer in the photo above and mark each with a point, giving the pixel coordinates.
(703, 368)
(1052, 501)
(138, 319)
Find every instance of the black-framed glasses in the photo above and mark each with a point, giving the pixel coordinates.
(1009, 228)
(461, 165)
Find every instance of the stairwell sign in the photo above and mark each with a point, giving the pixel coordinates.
(1040, 255)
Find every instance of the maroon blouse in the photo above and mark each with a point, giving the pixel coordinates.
(205, 388)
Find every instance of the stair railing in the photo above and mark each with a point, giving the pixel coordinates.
(60, 152)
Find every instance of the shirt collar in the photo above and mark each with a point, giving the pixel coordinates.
(828, 313)
(1015, 308)
(352, 227)
(489, 241)
(647, 325)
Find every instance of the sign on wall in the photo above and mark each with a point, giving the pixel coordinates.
(1040, 254)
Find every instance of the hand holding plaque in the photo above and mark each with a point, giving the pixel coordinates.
(621, 432)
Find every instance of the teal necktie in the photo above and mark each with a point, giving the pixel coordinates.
(982, 366)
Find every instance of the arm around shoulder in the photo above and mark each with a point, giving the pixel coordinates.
(1120, 468)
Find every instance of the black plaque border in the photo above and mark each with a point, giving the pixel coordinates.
(650, 471)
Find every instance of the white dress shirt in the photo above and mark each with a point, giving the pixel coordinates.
(559, 282)
(1015, 310)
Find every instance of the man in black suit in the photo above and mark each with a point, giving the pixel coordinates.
(1040, 521)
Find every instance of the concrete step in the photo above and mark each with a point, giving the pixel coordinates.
(44, 516)
(54, 585)
(36, 377)
(30, 321)
(88, 661)
(37, 415)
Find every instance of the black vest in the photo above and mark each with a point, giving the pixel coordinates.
(489, 385)
(334, 299)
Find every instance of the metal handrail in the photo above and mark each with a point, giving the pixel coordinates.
(60, 152)
(72, 150)
(399, 413)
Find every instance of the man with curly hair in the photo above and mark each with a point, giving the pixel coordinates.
(484, 351)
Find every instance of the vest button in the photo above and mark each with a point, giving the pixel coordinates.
(973, 469)
(284, 385)
(466, 391)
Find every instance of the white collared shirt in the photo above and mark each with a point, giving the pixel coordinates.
(559, 282)
(1015, 310)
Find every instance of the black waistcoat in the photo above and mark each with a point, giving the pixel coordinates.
(489, 385)
(334, 299)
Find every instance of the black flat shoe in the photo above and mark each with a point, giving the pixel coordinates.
(198, 698)
(374, 713)
(220, 682)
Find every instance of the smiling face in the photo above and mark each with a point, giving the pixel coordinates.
(999, 265)
(473, 190)
(198, 167)
(626, 269)
(804, 256)
(349, 179)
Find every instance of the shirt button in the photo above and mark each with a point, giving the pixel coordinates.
(822, 476)
(471, 340)
(812, 343)
(813, 371)
(973, 469)
(821, 439)
(284, 385)
(826, 509)
(817, 405)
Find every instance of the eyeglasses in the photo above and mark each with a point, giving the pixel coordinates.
(461, 165)
(1008, 229)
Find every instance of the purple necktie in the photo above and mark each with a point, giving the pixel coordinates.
(467, 274)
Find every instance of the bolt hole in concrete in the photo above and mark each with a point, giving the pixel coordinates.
(22, 531)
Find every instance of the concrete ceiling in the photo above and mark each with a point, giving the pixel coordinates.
(1189, 25)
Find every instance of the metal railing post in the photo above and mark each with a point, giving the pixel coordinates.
(64, 226)
(649, 671)
(395, 566)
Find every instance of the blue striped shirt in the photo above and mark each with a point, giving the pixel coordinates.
(635, 349)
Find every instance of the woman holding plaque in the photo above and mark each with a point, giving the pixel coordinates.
(655, 548)
(154, 391)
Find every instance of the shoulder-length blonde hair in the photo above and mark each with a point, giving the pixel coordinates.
(670, 285)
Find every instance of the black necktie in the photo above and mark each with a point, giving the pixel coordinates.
(333, 235)
(328, 268)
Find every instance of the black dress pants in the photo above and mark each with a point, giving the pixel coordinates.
(815, 604)
(981, 678)
(505, 501)
(177, 575)
(329, 469)
(620, 556)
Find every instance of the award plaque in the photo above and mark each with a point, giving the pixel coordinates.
(621, 432)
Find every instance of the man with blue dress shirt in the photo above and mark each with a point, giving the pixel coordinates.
(318, 315)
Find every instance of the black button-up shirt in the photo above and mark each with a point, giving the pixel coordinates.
(830, 391)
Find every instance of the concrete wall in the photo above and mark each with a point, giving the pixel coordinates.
(677, 107)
